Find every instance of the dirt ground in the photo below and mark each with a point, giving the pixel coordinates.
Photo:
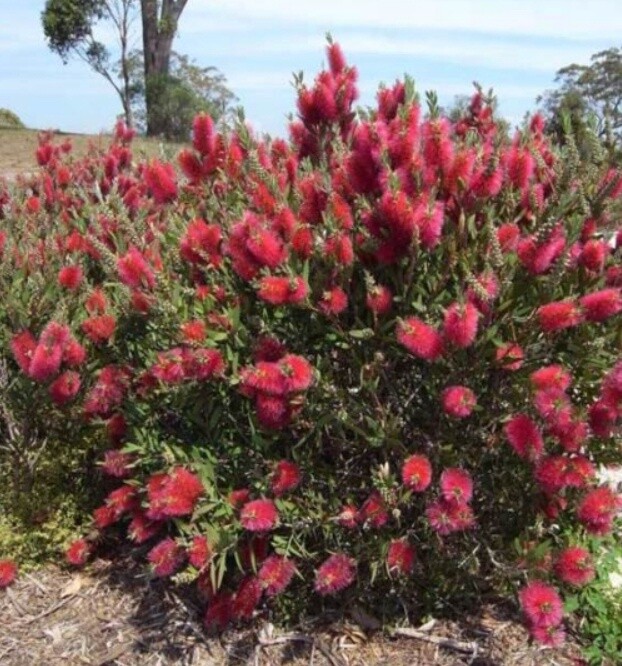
(114, 615)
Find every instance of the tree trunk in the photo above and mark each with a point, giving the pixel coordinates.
(160, 20)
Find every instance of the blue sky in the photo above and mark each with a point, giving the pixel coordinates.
(514, 46)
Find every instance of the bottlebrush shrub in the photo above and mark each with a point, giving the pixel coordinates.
(361, 361)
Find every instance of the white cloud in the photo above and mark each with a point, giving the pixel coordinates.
(597, 19)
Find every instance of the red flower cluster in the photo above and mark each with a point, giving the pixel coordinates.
(543, 610)
(335, 574)
(173, 494)
(452, 512)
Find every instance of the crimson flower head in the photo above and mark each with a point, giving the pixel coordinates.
(78, 552)
(160, 180)
(373, 512)
(510, 356)
(219, 612)
(460, 324)
(574, 566)
(420, 339)
(297, 371)
(400, 557)
(65, 387)
(335, 574)
(166, 557)
(285, 478)
(276, 574)
(458, 401)
(23, 345)
(348, 516)
(199, 551)
(70, 277)
(541, 604)
(117, 463)
(550, 377)
(601, 305)
(456, 485)
(8, 573)
(597, 510)
(447, 517)
(246, 598)
(559, 315)
(175, 494)
(278, 290)
(417, 473)
(99, 328)
(134, 271)
(379, 299)
(333, 302)
(259, 515)
(524, 437)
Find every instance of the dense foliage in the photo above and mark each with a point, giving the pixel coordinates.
(381, 358)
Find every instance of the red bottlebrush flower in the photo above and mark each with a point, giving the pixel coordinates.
(203, 134)
(553, 405)
(74, 353)
(550, 377)
(201, 243)
(420, 339)
(456, 485)
(447, 517)
(541, 604)
(400, 557)
(116, 429)
(70, 277)
(379, 299)
(286, 477)
(601, 305)
(521, 166)
(333, 302)
(45, 362)
(170, 367)
(266, 247)
(574, 566)
(559, 315)
(273, 412)
(593, 255)
(237, 498)
(549, 636)
(104, 516)
(180, 493)
(199, 552)
(571, 433)
(160, 180)
(193, 331)
(336, 59)
(259, 515)
(269, 349)
(508, 235)
(246, 598)
(340, 248)
(510, 356)
(166, 557)
(613, 276)
(430, 225)
(117, 463)
(55, 335)
(78, 552)
(141, 528)
(373, 512)
(33, 205)
(8, 573)
(219, 612)
(23, 346)
(282, 290)
(602, 417)
(417, 473)
(550, 473)
(202, 364)
(96, 302)
(460, 324)
(335, 574)
(597, 510)
(253, 551)
(134, 271)
(348, 516)
(580, 471)
(99, 329)
(276, 574)
(65, 387)
(297, 371)
(524, 437)
(122, 500)
(612, 387)
(458, 401)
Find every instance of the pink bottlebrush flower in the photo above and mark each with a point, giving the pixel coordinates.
(550, 377)
(273, 412)
(430, 225)
(602, 416)
(219, 612)
(100, 328)
(122, 500)
(417, 473)
(460, 324)
(419, 338)
(333, 301)
(201, 243)
(553, 405)
(203, 135)
(335, 574)
(579, 472)
(541, 604)
(458, 401)
(379, 299)
(508, 235)
(65, 387)
(199, 551)
(524, 437)
(160, 180)
(134, 271)
(549, 636)
(571, 434)
(400, 557)
(339, 247)
(521, 165)
(265, 377)
(78, 552)
(202, 364)
(45, 362)
(593, 255)
(602, 304)
(70, 277)
(551, 473)
(74, 353)
(141, 528)
(456, 485)
(268, 348)
(23, 345)
(597, 510)
(246, 598)
(104, 516)
(166, 557)
(177, 495)
(117, 464)
(348, 516)
(259, 515)
(510, 356)
(266, 247)
(8, 573)
(374, 513)
(276, 574)
(297, 371)
(286, 477)
(559, 315)
(574, 566)
(237, 498)
(282, 290)
(447, 517)
(193, 331)
(96, 302)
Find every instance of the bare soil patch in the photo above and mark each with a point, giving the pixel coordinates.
(113, 614)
